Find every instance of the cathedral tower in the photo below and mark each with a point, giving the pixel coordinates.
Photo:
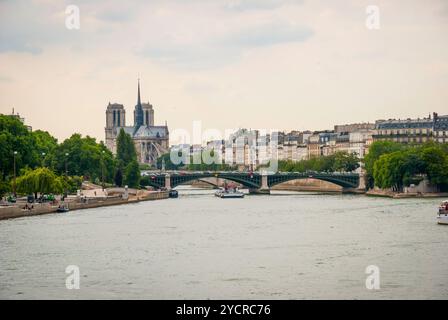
(115, 118)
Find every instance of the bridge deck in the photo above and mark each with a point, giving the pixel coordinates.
(252, 180)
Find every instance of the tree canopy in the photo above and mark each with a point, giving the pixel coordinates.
(339, 161)
(125, 148)
(376, 150)
(409, 164)
(83, 157)
(41, 180)
(127, 161)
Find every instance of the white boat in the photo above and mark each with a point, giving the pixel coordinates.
(442, 217)
(229, 193)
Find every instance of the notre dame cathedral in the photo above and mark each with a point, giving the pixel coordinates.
(150, 141)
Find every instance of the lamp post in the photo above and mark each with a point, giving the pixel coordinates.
(102, 169)
(14, 181)
(66, 175)
(43, 159)
(66, 171)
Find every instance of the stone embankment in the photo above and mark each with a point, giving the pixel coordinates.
(77, 203)
(403, 195)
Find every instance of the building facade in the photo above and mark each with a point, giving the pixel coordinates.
(440, 129)
(150, 141)
(412, 130)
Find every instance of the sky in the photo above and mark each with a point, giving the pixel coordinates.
(266, 64)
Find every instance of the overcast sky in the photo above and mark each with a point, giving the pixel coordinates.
(292, 64)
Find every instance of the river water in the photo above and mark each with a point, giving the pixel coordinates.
(288, 245)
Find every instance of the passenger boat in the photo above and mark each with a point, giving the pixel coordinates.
(173, 194)
(229, 193)
(442, 217)
(62, 208)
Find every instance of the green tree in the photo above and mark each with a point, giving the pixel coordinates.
(125, 148)
(40, 180)
(5, 187)
(15, 136)
(346, 162)
(340, 161)
(132, 175)
(46, 146)
(119, 177)
(411, 164)
(168, 164)
(376, 150)
(436, 165)
(85, 157)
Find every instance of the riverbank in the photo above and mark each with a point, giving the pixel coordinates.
(402, 195)
(17, 211)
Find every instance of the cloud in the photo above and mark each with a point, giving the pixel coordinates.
(172, 32)
(246, 5)
(269, 34)
(27, 26)
(116, 14)
(225, 48)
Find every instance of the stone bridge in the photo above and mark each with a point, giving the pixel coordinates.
(255, 181)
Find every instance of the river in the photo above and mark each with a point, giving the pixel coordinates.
(287, 245)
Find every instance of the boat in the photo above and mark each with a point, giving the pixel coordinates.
(62, 208)
(229, 193)
(173, 194)
(442, 217)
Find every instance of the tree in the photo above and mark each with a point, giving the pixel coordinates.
(46, 146)
(119, 177)
(40, 180)
(340, 161)
(85, 158)
(410, 165)
(125, 148)
(436, 165)
(5, 187)
(376, 150)
(132, 175)
(127, 158)
(15, 136)
(344, 161)
(168, 164)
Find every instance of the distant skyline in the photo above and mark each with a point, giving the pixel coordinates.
(288, 65)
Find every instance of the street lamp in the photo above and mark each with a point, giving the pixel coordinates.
(66, 171)
(43, 159)
(102, 169)
(66, 175)
(14, 181)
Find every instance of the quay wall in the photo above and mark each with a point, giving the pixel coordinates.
(402, 195)
(16, 211)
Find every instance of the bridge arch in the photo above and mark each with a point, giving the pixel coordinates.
(342, 180)
(247, 181)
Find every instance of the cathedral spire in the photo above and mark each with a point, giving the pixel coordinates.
(138, 112)
(138, 95)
